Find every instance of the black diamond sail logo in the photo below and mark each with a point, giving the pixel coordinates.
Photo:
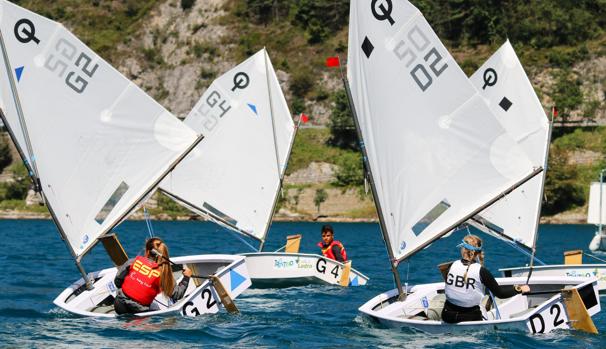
(505, 104)
(367, 47)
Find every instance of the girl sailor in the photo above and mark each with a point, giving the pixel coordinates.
(467, 281)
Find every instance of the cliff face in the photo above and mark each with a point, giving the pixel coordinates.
(175, 53)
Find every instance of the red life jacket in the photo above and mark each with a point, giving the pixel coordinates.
(327, 251)
(143, 281)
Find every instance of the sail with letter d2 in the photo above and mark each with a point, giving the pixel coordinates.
(436, 151)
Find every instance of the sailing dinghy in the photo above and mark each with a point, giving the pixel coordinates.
(95, 146)
(234, 177)
(437, 156)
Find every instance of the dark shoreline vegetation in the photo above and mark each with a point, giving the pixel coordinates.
(552, 38)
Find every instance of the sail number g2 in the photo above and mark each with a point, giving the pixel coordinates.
(415, 51)
(73, 66)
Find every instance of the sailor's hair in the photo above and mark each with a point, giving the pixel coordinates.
(327, 228)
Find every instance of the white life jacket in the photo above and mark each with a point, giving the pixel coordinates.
(458, 291)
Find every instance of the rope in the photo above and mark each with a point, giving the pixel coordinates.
(407, 275)
(512, 244)
(239, 238)
(496, 307)
(150, 229)
(595, 257)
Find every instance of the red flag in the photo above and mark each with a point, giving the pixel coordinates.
(304, 118)
(333, 62)
(555, 112)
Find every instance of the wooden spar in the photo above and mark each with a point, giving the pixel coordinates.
(475, 212)
(151, 188)
(203, 212)
(392, 259)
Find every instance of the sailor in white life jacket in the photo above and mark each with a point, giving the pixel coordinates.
(467, 281)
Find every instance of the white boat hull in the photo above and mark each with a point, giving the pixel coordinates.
(278, 269)
(532, 314)
(198, 300)
(563, 270)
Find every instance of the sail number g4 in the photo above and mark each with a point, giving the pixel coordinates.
(208, 113)
(415, 51)
(77, 65)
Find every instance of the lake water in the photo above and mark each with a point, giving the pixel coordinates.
(37, 267)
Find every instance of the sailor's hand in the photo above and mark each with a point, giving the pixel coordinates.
(525, 289)
(187, 272)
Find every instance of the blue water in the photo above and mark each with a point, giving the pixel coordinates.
(37, 267)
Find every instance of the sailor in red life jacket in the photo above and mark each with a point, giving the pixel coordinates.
(142, 280)
(332, 248)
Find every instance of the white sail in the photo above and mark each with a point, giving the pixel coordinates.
(436, 151)
(235, 174)
(593, 216)
(512, 99)
(99, 142)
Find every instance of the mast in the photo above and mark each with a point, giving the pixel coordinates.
(540, 204)
(533, 174)
(600, 211)
(31, 167)
(273, 210)
(392, 259)
(281, 171)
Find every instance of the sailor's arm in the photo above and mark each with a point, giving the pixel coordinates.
(336, 251)
(498, 291)
(122, 273)
(180, 289)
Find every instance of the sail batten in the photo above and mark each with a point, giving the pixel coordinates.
(100, 142)
(249, 130)
(435, 149)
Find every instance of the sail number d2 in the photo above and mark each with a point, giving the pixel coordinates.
(410, 50)
(65, 58)
(547, 320)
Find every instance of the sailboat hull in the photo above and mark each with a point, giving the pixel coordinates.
(278, 270)
(200, 298)
(531, 314)
(563, 270)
